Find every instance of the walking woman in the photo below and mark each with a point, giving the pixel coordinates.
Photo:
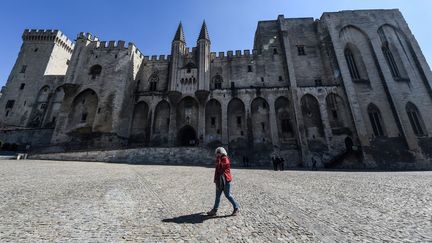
(222, 179)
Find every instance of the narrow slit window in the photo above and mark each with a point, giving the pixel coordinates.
(23, 68)
(391, 62)
(376, 122)
(415, 120)
(352, 65)
(301, 51)
(10, 104)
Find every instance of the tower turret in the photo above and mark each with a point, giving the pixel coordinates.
(179, 36)
(178, 50)
(204, 32)
(204, 58)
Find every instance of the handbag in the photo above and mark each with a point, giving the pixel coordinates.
(221, 183)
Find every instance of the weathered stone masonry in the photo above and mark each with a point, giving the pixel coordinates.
(351, 89)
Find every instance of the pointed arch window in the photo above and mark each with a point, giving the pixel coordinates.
(352, 65)
(217, 81)
(376, 120)
(95, 71)
(415, 119)
(391, 62)
(153, 80)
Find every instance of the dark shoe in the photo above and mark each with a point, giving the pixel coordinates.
(235, 212)
(213, 212)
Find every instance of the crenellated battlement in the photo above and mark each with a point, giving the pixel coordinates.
(156, 58)
(120, 44)
(87, 36)
(135, 49)
(48, 35)
(111, 45)
(234, 54)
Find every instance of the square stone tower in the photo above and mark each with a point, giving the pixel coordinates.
(43, 53)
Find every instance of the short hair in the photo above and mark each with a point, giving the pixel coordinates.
(221, 150)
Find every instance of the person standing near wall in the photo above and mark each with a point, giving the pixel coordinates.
(223, 179)
(281, 163)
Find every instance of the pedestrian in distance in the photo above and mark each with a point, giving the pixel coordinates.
(281, 164)
(278, 161)
(314, 167)
(274, 161)
(223, 182)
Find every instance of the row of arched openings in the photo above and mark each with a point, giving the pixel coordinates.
(85, 108)
(187, 115)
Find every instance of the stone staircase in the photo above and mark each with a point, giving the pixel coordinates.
(348, 159)
(198, 156)
(149, 155)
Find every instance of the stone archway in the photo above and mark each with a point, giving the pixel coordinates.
(260, 113)
(84, 108)
(187, 136)
(140, 123)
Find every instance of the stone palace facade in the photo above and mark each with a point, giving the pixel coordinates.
(352, 87)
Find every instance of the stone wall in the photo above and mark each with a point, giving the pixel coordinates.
(314, 88)
(43, 57)
(172, 156)
(34, 137)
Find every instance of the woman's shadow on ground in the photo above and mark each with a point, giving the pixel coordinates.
(196, 218)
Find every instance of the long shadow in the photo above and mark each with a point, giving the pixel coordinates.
(196, 218)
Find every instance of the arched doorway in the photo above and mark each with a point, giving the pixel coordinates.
(283, 119)
(312, 117)
(140, 123)
(213, 122)
(187, 136)
(261, 122)
(161, 123)
(84, 109)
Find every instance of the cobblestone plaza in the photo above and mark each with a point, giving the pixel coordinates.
(100, 202)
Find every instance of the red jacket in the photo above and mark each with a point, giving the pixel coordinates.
(223, 166)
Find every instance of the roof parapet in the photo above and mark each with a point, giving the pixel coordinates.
(156, 58)
(48, 35)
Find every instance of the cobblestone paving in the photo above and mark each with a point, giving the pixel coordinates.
(98, 202)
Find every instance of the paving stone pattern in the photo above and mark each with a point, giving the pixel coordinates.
(99, 202)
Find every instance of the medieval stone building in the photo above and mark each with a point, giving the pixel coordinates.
(351, 87)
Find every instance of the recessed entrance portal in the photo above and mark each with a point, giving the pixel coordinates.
(187, 136)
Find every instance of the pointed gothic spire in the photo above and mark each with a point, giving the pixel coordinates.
(179, 36)
(204, 33)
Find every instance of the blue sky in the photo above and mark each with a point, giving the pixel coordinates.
(151, 24)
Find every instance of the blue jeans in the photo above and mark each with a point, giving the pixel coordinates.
(228, 195)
